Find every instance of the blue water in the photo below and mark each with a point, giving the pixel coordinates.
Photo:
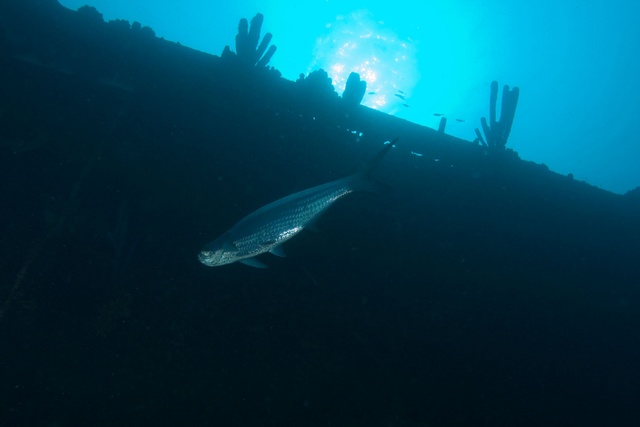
(574, 62)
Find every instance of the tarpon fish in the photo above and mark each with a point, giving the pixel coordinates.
(267, 228)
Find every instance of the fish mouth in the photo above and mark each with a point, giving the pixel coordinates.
(205, 258)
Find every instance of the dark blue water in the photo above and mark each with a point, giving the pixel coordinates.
(476, 290)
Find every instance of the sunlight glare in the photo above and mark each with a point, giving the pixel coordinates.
(358, 43)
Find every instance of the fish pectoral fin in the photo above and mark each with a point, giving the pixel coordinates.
(252, 262)
(313, 225)
(278, 251)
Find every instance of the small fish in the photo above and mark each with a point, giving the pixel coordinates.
(402, 92)
(459, 120)
(400, 96)
(417, 154)
(406, 105)
(438, 114)
(267, 228)
(371, 93)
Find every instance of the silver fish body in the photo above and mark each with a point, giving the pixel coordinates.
(265, 229)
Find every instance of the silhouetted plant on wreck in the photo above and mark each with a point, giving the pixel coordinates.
(247, 49)
(90, 13)
(355, 89)
(496, 132)
(442, 125)
(316, 84)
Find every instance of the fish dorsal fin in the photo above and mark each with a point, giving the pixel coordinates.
(278, 251)
(252, 262)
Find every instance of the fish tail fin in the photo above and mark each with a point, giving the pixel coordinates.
(363, 181)
(374, 162)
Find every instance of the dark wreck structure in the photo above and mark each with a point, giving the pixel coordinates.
(477, 289)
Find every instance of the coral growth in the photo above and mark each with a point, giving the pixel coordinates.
(442, 125)
(247, 48)
(317, 83)
(355, 89)
(496, 132)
